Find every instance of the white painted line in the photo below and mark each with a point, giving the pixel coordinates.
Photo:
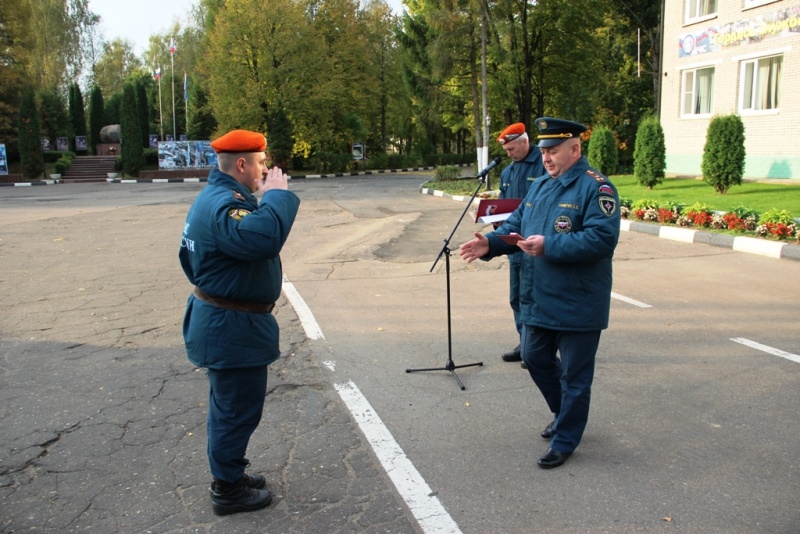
(313, 331)
(428, 511)
(762, 247)
(629, 300)
(330, 365)
(684, 235)
(769, 350)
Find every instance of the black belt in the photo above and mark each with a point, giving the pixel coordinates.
(236, 305)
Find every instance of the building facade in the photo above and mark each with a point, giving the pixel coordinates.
(732, 56)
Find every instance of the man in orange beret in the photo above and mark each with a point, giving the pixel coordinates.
(230, 252)
(526, 165)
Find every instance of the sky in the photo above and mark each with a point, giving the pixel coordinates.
(137, 20)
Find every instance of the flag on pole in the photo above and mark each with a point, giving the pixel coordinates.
(172, 46)
(158, 73)
(185, 88)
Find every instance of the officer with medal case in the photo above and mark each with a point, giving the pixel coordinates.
(568, 226)
(230, 251)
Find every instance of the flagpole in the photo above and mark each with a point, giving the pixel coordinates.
(186, 101)
(172, 60)
(160, 110)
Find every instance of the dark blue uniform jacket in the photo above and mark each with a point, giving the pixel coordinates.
(230, 249)
(569, 288)
(516, 178)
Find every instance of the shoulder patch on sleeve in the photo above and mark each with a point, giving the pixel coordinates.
(596, 176)
(238, 214)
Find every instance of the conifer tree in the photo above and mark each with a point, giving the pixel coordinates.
(130, 133)
(77, 115)
(97, 117)
(30, 147)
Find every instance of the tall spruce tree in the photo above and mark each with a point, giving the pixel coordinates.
(77, 115)
(97, 117)
(30, 147)
(142, 110)
(130, 133)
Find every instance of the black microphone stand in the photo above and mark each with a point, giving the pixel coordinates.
(449, 365)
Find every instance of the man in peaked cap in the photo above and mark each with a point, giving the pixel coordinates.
(526, 166)
(570, 227)
(230, 252)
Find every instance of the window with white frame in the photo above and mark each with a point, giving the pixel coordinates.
(698, 91)
(697, 9)
(755, 3)
(760, 83)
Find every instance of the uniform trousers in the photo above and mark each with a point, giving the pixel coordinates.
(515, 270)
(235, 405)
(565, 382)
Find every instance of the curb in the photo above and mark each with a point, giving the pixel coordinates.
(750, 245)
(291, 177)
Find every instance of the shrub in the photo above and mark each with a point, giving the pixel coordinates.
(447, 172)
(131, 133)
(650, 153)
(151, 156)
(30, 148)
(603, 154)
(62, 164)
(724, 154)
(776, 216)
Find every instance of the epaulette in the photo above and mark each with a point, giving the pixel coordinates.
(237, 195)
(596, 176)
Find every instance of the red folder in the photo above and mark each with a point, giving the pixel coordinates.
(495, 209)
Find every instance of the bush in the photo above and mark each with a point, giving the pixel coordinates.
(650, 153)
(603, 154)
(378, 160)
(131, 133)
(447, 172)
(151, 156)
(723, 154)
(326, 162)
(62, 164)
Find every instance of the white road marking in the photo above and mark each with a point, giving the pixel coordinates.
(330, 365)
(312, 329)
(426, 508)
(629, 300)
(769, 350)
(428, 511)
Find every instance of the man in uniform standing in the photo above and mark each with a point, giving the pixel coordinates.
(516, 178)
(230, 252)
(569, 223)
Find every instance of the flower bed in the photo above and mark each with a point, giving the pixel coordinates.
(773, 224)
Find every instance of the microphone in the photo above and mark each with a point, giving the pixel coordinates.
(495, 162)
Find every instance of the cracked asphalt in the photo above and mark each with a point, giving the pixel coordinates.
(102, 417)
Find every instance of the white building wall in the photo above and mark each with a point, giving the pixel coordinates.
(735, 33)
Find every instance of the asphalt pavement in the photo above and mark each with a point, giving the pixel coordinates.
(102, 418)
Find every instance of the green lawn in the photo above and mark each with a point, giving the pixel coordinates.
(755, 196)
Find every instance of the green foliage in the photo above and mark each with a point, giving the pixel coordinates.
(151, 156)
(699, 207)
(51, 156)
(743, 212)
(113, 109)
(54, 117)
(724, 153)
(201, 121)
(63, 163)
(142, 110)
(279, 137)
(447, 172)
(97, 117)
(77, 115)
(131, 133)
(644, 203)
(776, 216)
(327, 162)
(30, 147)
(603, 151)
(650, 154)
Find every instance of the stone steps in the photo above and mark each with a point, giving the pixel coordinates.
(89, 169)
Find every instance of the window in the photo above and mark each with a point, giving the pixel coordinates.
(698, 90)
(696, 9)
(755, 3)
(760, 84)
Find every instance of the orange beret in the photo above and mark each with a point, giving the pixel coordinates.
(240, 141)
(511, 133)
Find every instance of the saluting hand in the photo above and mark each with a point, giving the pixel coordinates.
(274, 179)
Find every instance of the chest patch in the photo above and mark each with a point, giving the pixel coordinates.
(237, 214)
(608, 205)
(563, 224)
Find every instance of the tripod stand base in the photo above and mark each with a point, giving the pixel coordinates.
(448, 366)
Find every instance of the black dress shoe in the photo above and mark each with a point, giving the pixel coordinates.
(523, 365)
(512, 356)
(547, 433)
(229, 498)
(553, 458)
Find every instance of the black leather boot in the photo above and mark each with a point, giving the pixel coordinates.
(227, 498)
